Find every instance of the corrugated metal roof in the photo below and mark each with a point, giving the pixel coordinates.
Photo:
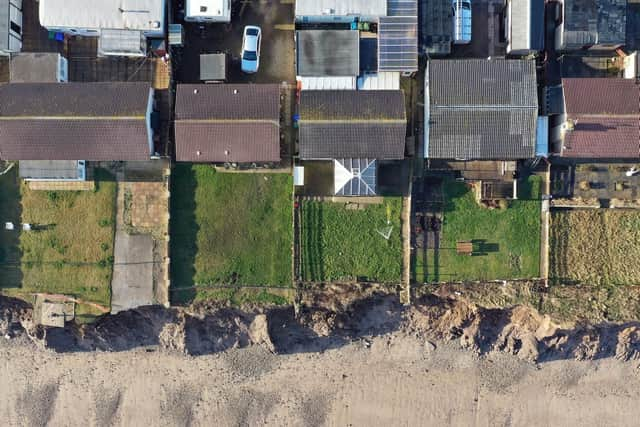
(388, 80)
(143, 15)
(50, 169)
(480, 109)
(4, 24)
(121, 42)
(341, 7)
(327, 83)
(328, 53)
(527, 26)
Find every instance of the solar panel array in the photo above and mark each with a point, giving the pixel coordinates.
(398, 37)
(363, 177)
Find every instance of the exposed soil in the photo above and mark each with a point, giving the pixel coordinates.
(331, 318)
(351, 357)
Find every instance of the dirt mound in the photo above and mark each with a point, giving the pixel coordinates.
(330, 319)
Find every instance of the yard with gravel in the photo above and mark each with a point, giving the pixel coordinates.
(595, 247)
(230, 230)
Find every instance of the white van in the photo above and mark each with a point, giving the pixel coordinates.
(208, 11)
(461, 21)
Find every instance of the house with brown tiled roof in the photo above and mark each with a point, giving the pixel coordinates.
(602, 119)
(53, 128)
(71, 121)
(227, 123)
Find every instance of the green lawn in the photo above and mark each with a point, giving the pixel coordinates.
(231, 229)
(509, 237)
(342, 244)
(71, 250)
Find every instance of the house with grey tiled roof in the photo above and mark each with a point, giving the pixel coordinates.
(480, 109)
(355, 131)
(227, 123)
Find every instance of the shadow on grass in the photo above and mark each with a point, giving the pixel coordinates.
(10, 211)
(184, 232)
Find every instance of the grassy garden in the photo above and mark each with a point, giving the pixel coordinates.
(508, 237)
(340, 243)
(229, 229)
(595, 247)
(70, 249)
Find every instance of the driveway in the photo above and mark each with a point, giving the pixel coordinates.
(275, 18)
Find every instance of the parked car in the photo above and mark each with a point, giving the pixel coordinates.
(251, 49)
(461, 21)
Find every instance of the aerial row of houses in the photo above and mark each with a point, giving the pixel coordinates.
(350, 109)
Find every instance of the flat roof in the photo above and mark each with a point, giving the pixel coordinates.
(341, 7)
(594, 22)
(144, 15)
(213, 66)
(49, 169)
(4, 24)
(527, 25)
(203, 8)
(328, 53)
(29, 67)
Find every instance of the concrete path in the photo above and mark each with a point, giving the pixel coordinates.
(132, 281)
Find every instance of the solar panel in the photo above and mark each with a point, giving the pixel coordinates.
(355, 177)
(402, 8)
(398, 43)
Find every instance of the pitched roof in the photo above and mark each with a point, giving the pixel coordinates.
(352, 124)
(601, 96)
(74, 99)
(74, 121)
(603, 137)
(480, 109)
(604, 117)
(228, 123)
